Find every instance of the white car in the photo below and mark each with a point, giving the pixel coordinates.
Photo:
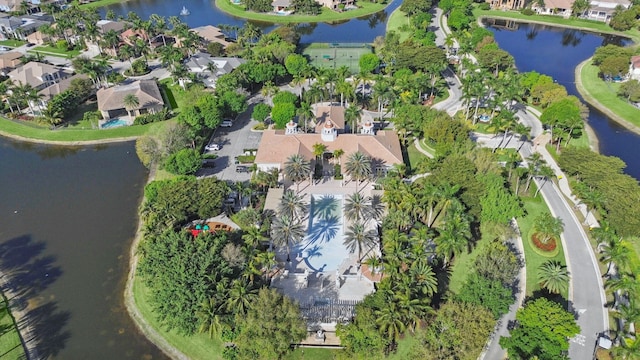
(2, 48)
(213, 147)
(226, 123)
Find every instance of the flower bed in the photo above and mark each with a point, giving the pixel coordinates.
(549, 246)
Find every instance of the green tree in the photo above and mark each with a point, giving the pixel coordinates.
(630, 90)
(282, 113)
(292, 205)
(184, 162)
(491, 294)
(547, 227)
(498, 262)
(273, 322)
(358, 238)
(579, 7)
(131, 102)
(498, 204)
(357, 207)
(542, 330)
(553, 276)
(287, 231)
(295, 64)
(368, 63)
(358, 167)
(260, 112)
(297, 169)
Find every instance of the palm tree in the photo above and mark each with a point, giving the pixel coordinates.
(209, 317)
(240, 296)
(629, 349)
(352, 115)
(546, 173)
(547, 227)
(357, 207)
(337, 153)
(424, 277)
(131, 102)
(292, 205)
(553, 276)
(318, 151)
(454, 236)
(390, 322)
(616, 254)
(305, 113)
(252, 237)
(286, 231)
(358, 238)
(358, 167)
(626, 283)
(628, 313)
(296, 169)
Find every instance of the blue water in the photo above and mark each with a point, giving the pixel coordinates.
(204, 12)
(556, 52)
(114, 123)
(322, 249)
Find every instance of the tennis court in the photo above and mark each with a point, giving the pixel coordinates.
(335, 55)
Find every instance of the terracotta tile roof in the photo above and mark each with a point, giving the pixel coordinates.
(333, 113)
(8, 59)
(635, 61)
(55, 89)
(275, 147)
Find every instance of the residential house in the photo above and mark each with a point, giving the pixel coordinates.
(507, 4)
(634, 67)
(276, 146)
(130, 36)
(280, 5)
(38, 38)
(49, 92)
(105, 26)
(335, 4)
(38, 75)
(14, 5)
(9, 61)
(602, 10)
(111, 100)
(21, 27)
(211, 34)
(209, 68)
(554, 7)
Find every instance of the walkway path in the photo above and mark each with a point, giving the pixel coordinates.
(586, 280)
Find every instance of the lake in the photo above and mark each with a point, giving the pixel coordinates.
(68, 218)
(363, 29)
(556, 52)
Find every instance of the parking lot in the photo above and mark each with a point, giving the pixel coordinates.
(233, 141)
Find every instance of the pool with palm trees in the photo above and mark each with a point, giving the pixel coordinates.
(322, 249)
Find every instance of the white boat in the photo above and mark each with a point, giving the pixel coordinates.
(184, 11)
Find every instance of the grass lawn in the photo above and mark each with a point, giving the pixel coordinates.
(174, 94)
(593, 88)
(36, 132)
(311, 354)
(397, 20)
(198, 346)
(463, 263)
(415, 157)
(98, 3)
(54, 51)
(10, 345)
(327, 15)
(534, 207)
(12, 43)
(582, 24)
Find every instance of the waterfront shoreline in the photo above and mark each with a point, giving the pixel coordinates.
(67, 143)
(596, 104)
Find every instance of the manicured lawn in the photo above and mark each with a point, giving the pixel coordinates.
(12, 43)
(196, 347)
(175, 95)
(54, 51)
(312, 354)
(397, 20)
(588, 25)
(99, 3)
(365, 8)
(463, 263)
(10, 345)
(605, 93)
(534, 207)
(32, 131)
(415, 157)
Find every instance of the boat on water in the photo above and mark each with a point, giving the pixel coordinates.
(185, 11)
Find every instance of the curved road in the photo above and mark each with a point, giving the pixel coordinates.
(586, 292)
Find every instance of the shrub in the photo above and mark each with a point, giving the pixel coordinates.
(151, 118)
(525, 11)
(260, 112)
(183, 162)
(484, 6)
(548, 246)
(62, 45)
(337, 174)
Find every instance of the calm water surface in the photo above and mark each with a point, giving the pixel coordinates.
(205, 12)
(556, 52)
(68, 216)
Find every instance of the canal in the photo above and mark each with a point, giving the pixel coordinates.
(68, 218)
(556, 52)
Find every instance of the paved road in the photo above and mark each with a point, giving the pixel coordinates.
(586, 292)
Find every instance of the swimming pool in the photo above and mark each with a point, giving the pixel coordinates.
(323, 249)
(114, 123)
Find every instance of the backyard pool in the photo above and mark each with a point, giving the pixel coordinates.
(322, 249)
(114, 123)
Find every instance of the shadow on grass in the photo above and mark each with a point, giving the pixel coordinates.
(27, 273)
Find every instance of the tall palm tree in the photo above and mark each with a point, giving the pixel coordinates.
(545, 172)
(296, 169)
(252, 237)
(318, 151)
(357, 238)
(616, 255)
(358, 167)
(390, 322)
(628, 313)
(305, 113)
(337, 153)
(210, 317)
(352, 116)
(131, 102)
(240, 296)
(357, 207)
(629, 349)
(292, 205)
(286, 231)
(553, 276)
(454, 236)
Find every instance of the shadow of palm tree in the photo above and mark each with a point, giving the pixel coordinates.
(324, 230)
(47, 323)
(324, 207)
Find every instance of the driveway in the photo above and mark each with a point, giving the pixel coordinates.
(233, 140)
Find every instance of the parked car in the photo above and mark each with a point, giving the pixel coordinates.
(226, 123)
(242, 169)
(207, 163)
(2, 48)
(213, 147)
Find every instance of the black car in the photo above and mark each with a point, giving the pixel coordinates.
(242, 169)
